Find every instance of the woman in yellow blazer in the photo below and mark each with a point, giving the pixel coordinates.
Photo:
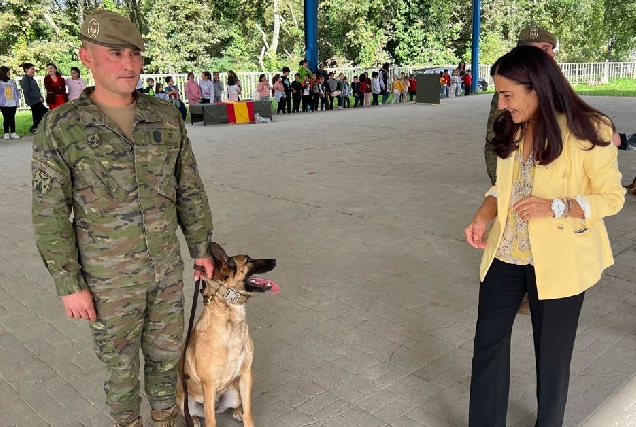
(557, 179)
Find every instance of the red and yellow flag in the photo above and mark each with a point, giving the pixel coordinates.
(240, 112)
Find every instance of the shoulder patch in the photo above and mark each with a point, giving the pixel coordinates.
(41, 183)
(93, 140)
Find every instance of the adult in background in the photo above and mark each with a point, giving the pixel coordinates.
(9, 101)
(206, 85)
(32, 95)
(128, 188)
(75, 84)
(192, 90)
(303, 69)
(55, 87)
(547, 238)
(529, 36)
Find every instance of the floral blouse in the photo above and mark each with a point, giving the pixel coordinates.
(514, 247)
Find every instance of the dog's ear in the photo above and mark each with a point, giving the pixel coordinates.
(220, 257)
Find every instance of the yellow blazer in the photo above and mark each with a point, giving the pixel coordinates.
(569, 254)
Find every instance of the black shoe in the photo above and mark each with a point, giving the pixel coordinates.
(33, 131)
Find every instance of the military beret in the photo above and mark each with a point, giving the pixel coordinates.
(534, 34)
(110, 29)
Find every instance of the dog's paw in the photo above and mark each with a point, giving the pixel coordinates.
(237, 414)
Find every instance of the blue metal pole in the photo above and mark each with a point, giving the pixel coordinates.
(474, 65)
(311, 33)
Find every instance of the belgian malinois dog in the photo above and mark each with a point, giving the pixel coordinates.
(218, 358)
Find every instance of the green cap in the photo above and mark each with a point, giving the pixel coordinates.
(534, 34)
(110, 29)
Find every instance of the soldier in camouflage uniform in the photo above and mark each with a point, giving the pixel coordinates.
(120, 165)
(533, 36)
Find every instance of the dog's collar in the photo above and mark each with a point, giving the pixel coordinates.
(227, 293)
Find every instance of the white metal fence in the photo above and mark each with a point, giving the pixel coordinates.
(590, 72)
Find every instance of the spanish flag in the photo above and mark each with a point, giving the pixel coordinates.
(240, 112)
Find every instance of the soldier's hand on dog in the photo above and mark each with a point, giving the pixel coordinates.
(205, 264)
(80, 305)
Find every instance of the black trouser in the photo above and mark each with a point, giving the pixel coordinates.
(288, 100)
(307, 103)
(374, 101)
(281, 106)
(8, 115)
(296, 102)
(346, 102)
(554, 324)
(204, 101)
(337, 98)
(357, 100)
(38, 110)
(411, 95)
(315, 99)
(467, 89)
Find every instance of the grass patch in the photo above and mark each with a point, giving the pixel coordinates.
(618, 87)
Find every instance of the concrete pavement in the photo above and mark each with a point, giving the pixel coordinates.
(364, 210)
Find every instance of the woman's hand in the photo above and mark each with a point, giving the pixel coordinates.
(533, 208)
(475, 232)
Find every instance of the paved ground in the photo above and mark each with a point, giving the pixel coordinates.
(364, 210)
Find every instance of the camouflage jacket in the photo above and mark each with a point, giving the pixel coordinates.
(126, 197)
(494, 112)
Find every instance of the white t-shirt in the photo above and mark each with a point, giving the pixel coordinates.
(10, 97)
(207, 89)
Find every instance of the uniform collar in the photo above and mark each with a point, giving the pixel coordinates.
(89, 112)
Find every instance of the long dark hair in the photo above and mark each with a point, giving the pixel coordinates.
(537, 71)
(4, 73)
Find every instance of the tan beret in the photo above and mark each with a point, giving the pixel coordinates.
(534, 34)
(110, 29)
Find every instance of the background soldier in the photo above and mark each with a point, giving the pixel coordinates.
(121, 164)
(533, 36)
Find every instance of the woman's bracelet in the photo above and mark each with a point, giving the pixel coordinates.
(568, 207)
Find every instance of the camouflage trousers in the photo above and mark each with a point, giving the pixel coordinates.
(491, 163)
(146, 317)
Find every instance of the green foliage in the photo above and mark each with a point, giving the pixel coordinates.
(182, 35)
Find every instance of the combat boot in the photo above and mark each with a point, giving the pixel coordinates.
(138, 423)
(164, 417)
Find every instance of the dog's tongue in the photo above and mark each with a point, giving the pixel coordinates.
(265, 283)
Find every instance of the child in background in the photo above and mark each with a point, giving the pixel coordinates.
(296, 93)
(218, 87)
(375, 87)
(367, 93)
(355, 91)
(468, 82)
(346, 91)
(233, 89)
(396, 88)
(405, 88)
(159, 93)
(279, 93)
(192, 90)
(263, 88)
(412, 87)
(442, 83)
(207, 87)
(306, 91)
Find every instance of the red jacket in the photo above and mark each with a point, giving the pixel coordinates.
(468, 79)
(54, 88)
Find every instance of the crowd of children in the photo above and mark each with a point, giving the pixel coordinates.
(451, 85)
(322, 90)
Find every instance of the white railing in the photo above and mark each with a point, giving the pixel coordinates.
(590, 72)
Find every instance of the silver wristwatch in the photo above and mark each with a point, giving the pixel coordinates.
(558, 207)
